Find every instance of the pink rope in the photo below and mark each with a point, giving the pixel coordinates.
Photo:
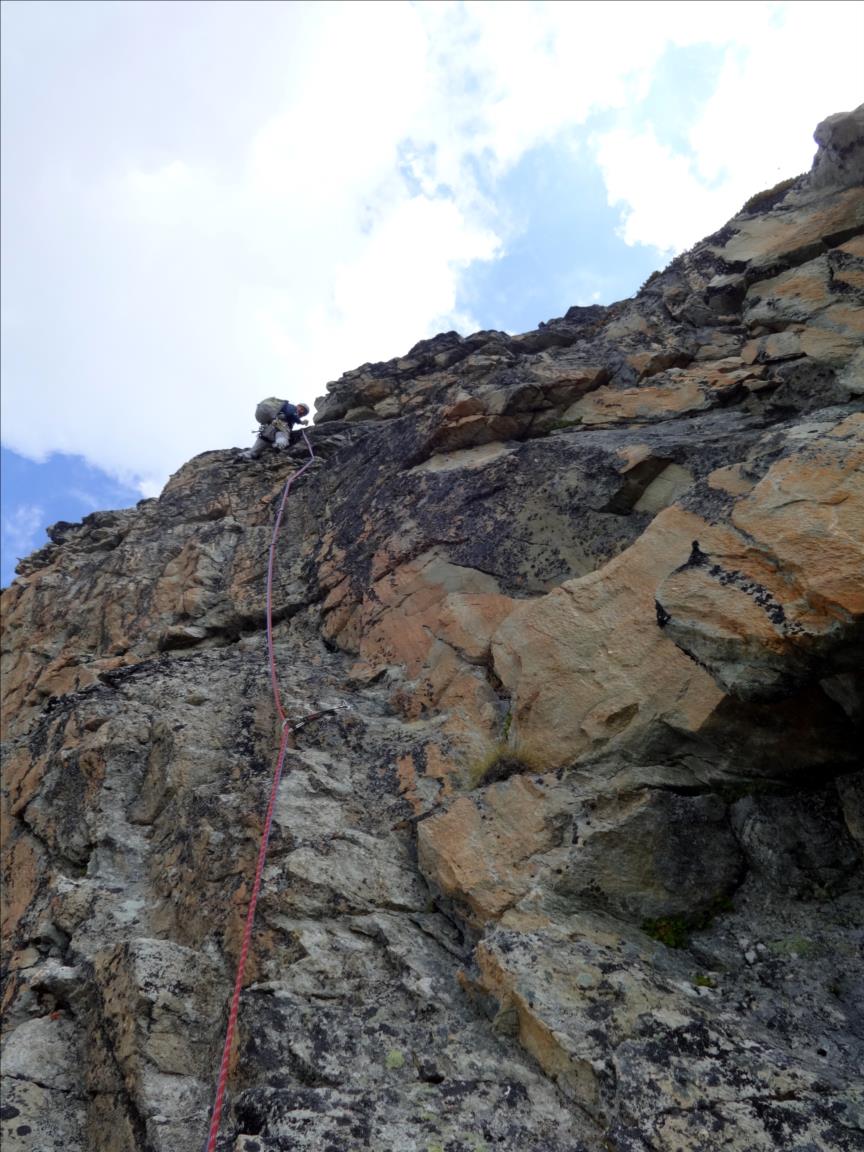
(273, 677)
(244, 950)
(268, 820)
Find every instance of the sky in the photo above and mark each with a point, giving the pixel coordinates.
(208, 202)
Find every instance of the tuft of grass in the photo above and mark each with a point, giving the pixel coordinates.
(394, 1059)
(654, 275)
(499, 764)
(766, 199)
(703, 981)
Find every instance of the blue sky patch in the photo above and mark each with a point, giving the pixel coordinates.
(35, 495)
(563, 250)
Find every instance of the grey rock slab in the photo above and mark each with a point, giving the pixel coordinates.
(364, 875)
(652, 854)
(33, 1117)
(45, 1051)
(799, 843)
(462, 1116)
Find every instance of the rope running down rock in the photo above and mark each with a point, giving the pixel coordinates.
(287, 731)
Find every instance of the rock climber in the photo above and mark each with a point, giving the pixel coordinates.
(276, 423)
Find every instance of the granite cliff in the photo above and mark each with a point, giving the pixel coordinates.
(574, 860)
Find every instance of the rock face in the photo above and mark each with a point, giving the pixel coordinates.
(575, 859)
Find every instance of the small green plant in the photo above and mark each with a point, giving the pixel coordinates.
(673, 931)
(703, 981)
(505, 730)
(395, 1059)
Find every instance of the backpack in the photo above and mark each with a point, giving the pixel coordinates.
(268, 409)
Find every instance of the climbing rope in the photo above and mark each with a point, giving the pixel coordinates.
(287, 731)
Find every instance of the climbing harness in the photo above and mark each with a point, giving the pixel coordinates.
(287, 732)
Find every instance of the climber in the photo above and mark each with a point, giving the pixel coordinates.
(276, 420)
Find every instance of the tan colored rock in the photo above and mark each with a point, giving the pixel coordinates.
(762, 240)
(469, 431)
(816, 295)
(651, 362)
(682, 390)
(793, 297)
(608, 405)
(846, 319)
(731, 620)
(401, 618)
(755, 609)
(851, 276)
(853, 247)
(731, 479)
(23, 872)
(481, 852)
(720, 345)
(591, 651)
(564, 379)
(777, 346)
(592, 648)
(434, 620)
(665, 489)
(809, 511)
(827, 344)
(631, 323)
(466, 458)
(633, 455)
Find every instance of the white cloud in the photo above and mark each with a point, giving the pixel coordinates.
(87, 499)
(669, 206)
(22, 528)
(206, 203)
(788, 67)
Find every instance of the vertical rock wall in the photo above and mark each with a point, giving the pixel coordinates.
(574, 859)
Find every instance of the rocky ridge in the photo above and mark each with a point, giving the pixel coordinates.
(575, 861)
